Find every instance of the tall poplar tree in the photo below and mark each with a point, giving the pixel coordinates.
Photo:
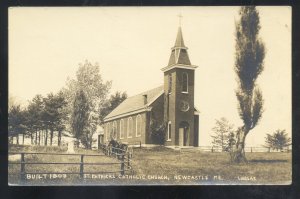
(250, 53)
(80, 115)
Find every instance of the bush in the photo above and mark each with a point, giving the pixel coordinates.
(158, 133)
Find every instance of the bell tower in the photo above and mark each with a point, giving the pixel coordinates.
(179, 81)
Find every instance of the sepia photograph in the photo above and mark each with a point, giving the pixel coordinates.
(197, 95)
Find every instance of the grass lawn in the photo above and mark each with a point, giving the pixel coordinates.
(162, 165)
(263, 168)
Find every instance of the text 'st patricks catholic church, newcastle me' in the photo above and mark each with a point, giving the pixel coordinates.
(171, 104)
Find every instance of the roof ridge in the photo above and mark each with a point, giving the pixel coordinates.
(146, 91)
(135, 102)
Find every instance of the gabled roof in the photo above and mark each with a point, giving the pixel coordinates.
(136, 103)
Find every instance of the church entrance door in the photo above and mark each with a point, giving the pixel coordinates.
(184, 129)
(181, 132)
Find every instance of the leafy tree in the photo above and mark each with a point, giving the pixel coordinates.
(49, 116)
(34, 117)
(114, 101)
(45, 114)
(88, 83)
(250, 53)
(34, 114)
(16, 114)
(16, 122)
(80, 116)
(53, 114)
(62, 116)
(86, 137)
(157, 130)
(221, 132)
(278, 140)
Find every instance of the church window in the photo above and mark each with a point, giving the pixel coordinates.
(129, 127)
(122, 129)
(106, 130)
(138, 126)
(169, 131)
(170, 83)
(185, 83)
(114, 130)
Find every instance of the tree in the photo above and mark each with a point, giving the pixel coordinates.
(88, 83)
(114, 101)
(62, 116)
(158, 129)
(250, 53)
(86, 137)
(16, 118)
(16, 122)
(54, 115)
(221, 132)
(230, 142)
(49, 116)
(80, 116)
(278, 140)
(34, 114)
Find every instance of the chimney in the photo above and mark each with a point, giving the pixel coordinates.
(145, 99)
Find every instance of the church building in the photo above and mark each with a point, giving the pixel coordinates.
(171, 104)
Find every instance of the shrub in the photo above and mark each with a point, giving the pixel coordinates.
(158, 132)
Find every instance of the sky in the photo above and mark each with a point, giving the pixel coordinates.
(132, 44)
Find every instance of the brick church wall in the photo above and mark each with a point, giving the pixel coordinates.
(134, 139)
(189, 97)
(172, 104)
(156, 113)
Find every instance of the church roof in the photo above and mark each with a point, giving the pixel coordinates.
(179, 55)
(136, 103)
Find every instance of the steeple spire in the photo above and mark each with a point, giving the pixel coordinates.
(179, 55)
(179, 43)
(179, 39)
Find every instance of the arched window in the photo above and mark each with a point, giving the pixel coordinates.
(108, 132)
(170, 83)
(185, 82)
(138, 126)
(122, 129)
(105, 131)
(169, 131)
(129, 127)
(114, 130)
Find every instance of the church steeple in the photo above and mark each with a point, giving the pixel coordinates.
(179, 89)
(179, 56)
(179, 53)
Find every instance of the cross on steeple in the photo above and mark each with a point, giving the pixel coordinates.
(180, 18)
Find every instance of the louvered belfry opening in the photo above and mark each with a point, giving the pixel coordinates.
(179, 54)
